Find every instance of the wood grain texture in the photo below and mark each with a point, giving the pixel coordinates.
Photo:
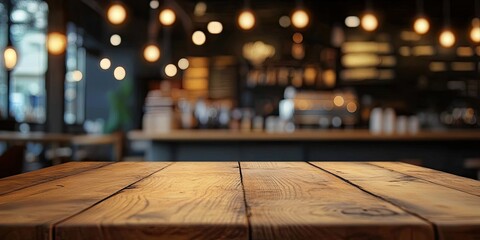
(13, 183)
(441, 178)
(294, 200)
(31, 212)
(300, 135)
(456, 214)
(201, 200)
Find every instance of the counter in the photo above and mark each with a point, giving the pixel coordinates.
(442, 150)
(301, 135)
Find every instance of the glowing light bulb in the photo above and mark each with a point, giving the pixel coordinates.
(183, 63)
(119, 73)
(115, 40)
(475, 31)
(246, 20)
(369, 22)
(151, 53)
(170, 70)
(447, 38)
(352, 21)
(198, 38)
(167, 17)
(116, 14)
(300, 18)
(56, 43)
(105, 63)
(215, 27)
(10, 58)
(421, 25)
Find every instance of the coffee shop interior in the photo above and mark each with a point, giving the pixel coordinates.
(243, 80)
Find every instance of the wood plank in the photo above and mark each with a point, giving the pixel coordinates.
(201, 200)
(14, 183)
(31, 212)
(295, 200)
(441, 178)
(456, 214)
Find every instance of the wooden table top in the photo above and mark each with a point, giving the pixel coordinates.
(303, 135)
(239, 200)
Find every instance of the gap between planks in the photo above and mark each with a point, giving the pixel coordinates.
(54, 225)
(247, 207)
(435, 230)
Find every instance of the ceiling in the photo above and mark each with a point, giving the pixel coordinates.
(393, 15)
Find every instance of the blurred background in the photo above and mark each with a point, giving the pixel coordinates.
(395, 69)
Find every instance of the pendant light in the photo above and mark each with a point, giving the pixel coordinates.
(421, 25)
(447, 38)
(116, 13)
(475, 31)
(369, 21)
(300, 18)
(151, 52)
(246, 18)
(10, 56)
(56, 43)
(167, 17)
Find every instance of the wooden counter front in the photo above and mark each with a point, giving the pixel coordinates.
(239, 200)
(302, 135)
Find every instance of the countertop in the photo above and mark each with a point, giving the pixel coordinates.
(303, 135)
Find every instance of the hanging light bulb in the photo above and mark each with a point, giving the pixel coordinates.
(167, 17)
(10, 57)
(369, 22)
(115, 40)
(475, 31)
(421, 25)
(198, 38)
(56, 43)
(171, 70)
(119, 73)
(246, 20)
(151, 53)
(447, 38)
(183, 63)
(105, 63)
(300, 18)
(116, 13)
(215, 27)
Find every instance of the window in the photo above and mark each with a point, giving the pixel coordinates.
(28, 33)
(75, 77)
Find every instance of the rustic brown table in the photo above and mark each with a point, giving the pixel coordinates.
(232, 200)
